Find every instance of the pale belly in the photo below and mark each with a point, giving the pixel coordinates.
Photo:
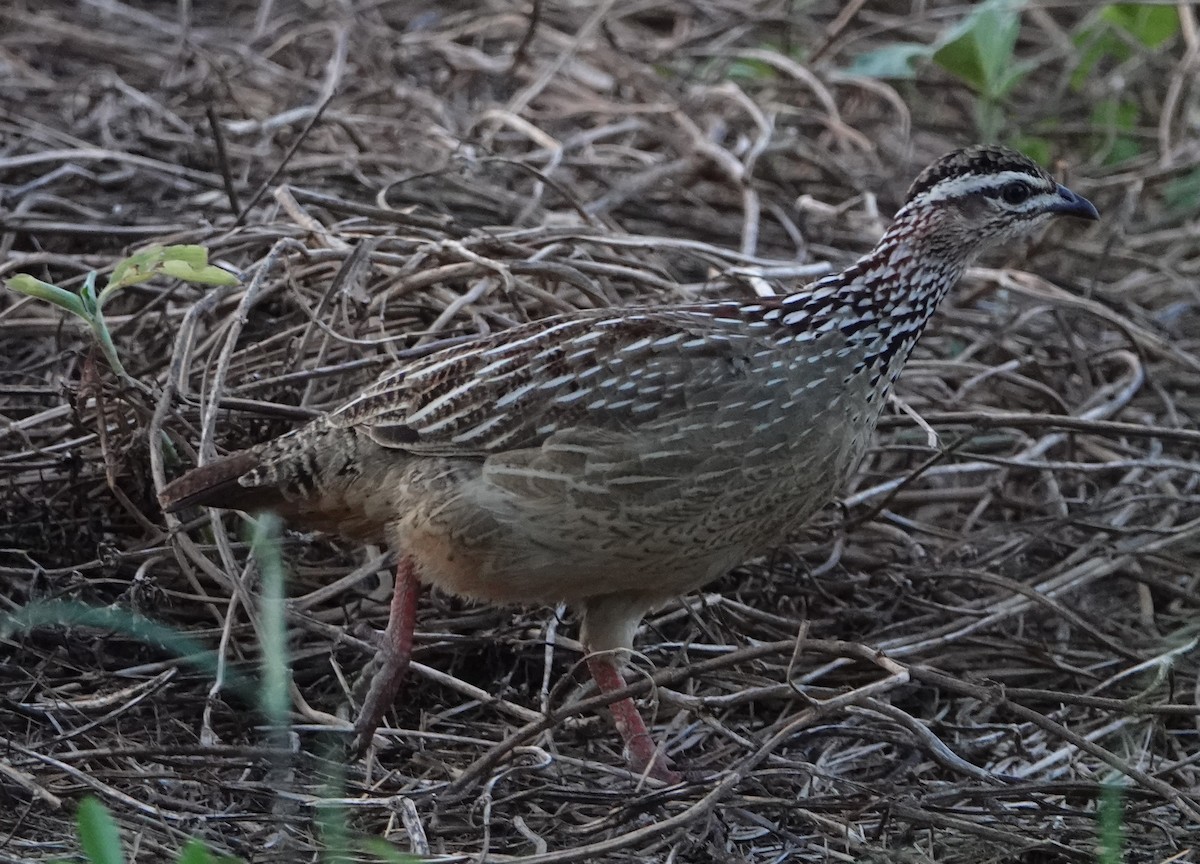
(526, 534)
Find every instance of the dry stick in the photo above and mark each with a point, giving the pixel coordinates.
(543, 177)
(523, 98)
(349, 274)
(996, 696)
(1013, 841)
(521, 54)
(705, 805)
(97, 154)
(993, 420)
(1183, 75)
(240, 319)
(376, 563)
(214, 123)
(1030, 285)
(89, 781)
(835, 28)
(176, 383)
(1130, 706)
(1111, 406)
(380, 214)
(128, 697)
(413, 827)
(1082, 573)
(1062, 610)
(669, 676)
(287, 157)
(938, 750)
(338, 634)
(240, 596)
(30, 786)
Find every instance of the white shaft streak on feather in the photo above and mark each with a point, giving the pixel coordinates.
(445, 400)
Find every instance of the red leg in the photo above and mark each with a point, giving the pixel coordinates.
(395, 649)
(639, 745)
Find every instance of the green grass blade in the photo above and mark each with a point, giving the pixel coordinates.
(98, 834)
(274, 701)
(69, 614)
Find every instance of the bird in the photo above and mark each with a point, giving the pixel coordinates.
(616, 458)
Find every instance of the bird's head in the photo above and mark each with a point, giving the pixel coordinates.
(984, 196)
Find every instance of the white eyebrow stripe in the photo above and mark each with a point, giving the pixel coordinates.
(956, 187)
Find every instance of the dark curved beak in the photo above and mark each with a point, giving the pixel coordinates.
(1070, 204)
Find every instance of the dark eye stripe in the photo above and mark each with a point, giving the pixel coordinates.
(998, 191)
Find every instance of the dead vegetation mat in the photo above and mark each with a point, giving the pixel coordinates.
(999, 621)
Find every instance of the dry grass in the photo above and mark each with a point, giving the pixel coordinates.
(398, 174)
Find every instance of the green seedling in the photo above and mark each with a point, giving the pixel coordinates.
(1111, 819)
(1113, 35)
(100, 839)
(98, 834)
(1117, 30)
(980, 51)
(187, 263)
(1182, 195)
(100, 842)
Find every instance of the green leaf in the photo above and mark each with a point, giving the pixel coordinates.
(1182, 195)
(1013, 76)
(23, 283)
(750, 69)
(195, 852)
(138, 267)
(980, 49)
(1123, 149)
(1114, 117)
(1094, 45)
(50, 613)
(196, 256)
(1111, 818)
(275, 701)
(1033, 146)
(892, 61)
(389, 853)
(1150, 24)
(188, 263)
(204, 275)
(1115, 114)
(98, 833)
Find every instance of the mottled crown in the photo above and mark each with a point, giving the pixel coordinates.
(980, 160)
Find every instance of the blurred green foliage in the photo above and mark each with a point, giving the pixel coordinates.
(980, 50)
(1111, 818)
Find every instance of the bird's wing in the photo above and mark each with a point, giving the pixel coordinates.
(600, 374)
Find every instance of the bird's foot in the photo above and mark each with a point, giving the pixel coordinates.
(395, 652)
(643, 756)
(647, 760)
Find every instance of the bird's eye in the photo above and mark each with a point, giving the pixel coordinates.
(1015, 192)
